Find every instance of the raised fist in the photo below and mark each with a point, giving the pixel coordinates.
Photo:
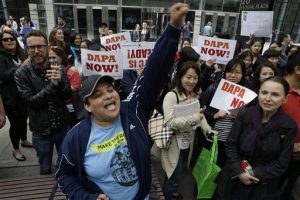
(177, 14)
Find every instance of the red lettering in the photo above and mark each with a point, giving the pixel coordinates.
(236, 103)
(132, 63)
(90, 57)
(141, 63)
(211, 52)
(206, 42)
(225, 86)
(204, 50)
(89, 66)
(220, 53)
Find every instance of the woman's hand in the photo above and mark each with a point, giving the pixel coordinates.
(247, 179)
(231, 115)
(220, 114)
(102, 197)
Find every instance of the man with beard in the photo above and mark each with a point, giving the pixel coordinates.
(44, 89)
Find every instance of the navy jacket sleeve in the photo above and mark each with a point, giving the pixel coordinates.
(155, 73)
(70, 175)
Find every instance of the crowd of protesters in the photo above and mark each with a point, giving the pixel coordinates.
(99, 126)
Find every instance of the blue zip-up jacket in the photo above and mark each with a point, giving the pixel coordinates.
(135, 113)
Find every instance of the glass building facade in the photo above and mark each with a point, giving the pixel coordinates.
(121, 15)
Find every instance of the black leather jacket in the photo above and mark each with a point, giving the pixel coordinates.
(38, 95)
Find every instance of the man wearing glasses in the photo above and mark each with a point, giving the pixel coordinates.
(44, 89)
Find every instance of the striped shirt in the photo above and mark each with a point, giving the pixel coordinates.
(223, 126)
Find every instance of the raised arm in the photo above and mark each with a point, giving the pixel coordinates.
(160, 62)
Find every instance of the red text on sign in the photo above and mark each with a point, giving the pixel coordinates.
(102, 68)
(233, 89)
(101, 58)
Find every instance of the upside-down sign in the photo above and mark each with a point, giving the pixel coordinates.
(101, 62)
(135, 54)
(230, 96)
(218, 49)
(114, 42)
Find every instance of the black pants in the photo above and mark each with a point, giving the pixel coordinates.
(292, 174)
(18, 126)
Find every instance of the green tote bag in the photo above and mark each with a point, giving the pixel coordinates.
(206, 170)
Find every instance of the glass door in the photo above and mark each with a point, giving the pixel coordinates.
(82, 23)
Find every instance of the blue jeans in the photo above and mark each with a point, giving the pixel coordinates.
(43, 145)
(172, 183)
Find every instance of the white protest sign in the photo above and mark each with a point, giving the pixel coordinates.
(135, 55)
(114, 42)
(258, 23)
(230, 96)
(217, 49)
(102, 62)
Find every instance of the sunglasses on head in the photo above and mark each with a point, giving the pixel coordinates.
(8, 39)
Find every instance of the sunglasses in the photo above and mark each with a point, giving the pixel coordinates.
(8, 39)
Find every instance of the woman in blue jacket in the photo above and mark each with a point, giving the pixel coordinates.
(107, 155)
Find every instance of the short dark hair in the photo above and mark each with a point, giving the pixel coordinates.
(27, 19)
(245, 54)
(181, 71)
(280, 80)
(271, 53)
(62, 17)
(277, 43)
(293, 61)
(36, 33)
(188, 54)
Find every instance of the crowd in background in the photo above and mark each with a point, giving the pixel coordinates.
(40, 78)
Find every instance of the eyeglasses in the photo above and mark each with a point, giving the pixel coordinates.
(38, 47)
(8, 39)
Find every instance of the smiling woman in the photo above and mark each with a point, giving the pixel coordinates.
(185, 88)
(11, 57)
(56, 38)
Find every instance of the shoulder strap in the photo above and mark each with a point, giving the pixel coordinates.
(176, 96)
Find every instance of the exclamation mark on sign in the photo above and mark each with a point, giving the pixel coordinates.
(228, 52)
(116, 68)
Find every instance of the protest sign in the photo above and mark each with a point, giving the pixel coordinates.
(114, 42)
(258, 23)
(135, 54)
(101, 62)
(217, 49)
(230, 96)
